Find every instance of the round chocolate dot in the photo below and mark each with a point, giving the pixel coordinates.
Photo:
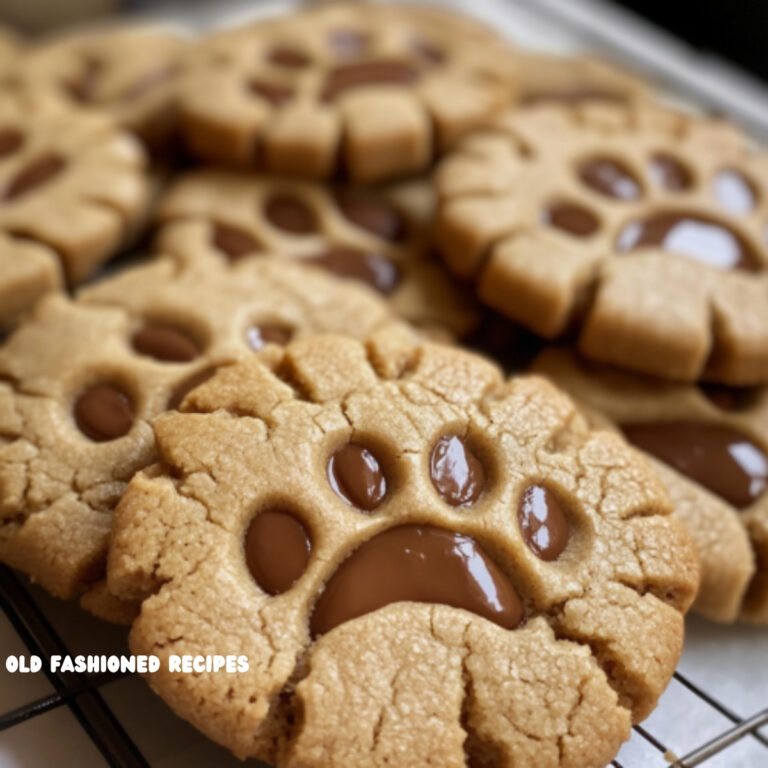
(291, 214)
(417, 563)
(258, 336)
(610, 178)
(375, 270)
(356, 476)
(288, 57)
(542, 522)
(372, 213)
(456, 473)
(734, 192)
(34, 174)
(104, 413)
(668, 172)
(275, 93)
(234, 242)
(187, 385)
(162, 342)
(11, 140)
(572, 218)
(277, 549)
(693, 235)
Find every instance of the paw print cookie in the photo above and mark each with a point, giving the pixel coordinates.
(88, 376)
(73, 189)
(130, 73)
(639, 229)
(544, 79)
(421, 563)
(379, 236)
(708, 444)
(373, 90)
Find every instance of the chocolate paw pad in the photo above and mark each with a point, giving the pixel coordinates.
(452, 566)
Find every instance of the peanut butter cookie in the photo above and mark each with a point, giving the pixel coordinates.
(421, 562)
(379, 236)
(375, 90)
(88, 376)
(709, 447)
(641, 229)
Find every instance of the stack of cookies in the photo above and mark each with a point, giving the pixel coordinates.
(270, 436)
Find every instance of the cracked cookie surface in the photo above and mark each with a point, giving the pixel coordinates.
(85, 378)
(130, 73)
(73, 188)
(708, 444)
(375, 90)
(379, 236)
(640, 228)
(424, 563)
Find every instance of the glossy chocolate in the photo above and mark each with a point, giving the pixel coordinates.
(667, 172)
(417, 563)
(34, 174)
(610, 178)
(542, 522)
(104, 413)
(693, 235)
(356, 475)
(375, 270)
(734, 192)
(456, 473)
(258, 336)
(571, 218)
(234, 242)
(291, 214)
(372, 213)
(716, 456)
(277, 550)
(363, 73)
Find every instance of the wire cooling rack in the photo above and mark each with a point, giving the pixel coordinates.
(715, 711)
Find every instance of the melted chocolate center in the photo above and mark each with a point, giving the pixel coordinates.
(234, 242)
(104, 413)
(347, 77)
(572, 218)
(456, 473)
(716, 456)
(542, 522)
(356, 476)
(370, 268)
(34, 174)
(669, 173)
(291, 214)
(417, 563)
(277, 549)
(611, 178)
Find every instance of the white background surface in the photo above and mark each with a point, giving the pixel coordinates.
(731, 664)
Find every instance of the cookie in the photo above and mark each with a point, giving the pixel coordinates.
(129, 72)
(638, 229)
(373, 90)
(421, 562)
(547, 79)
(709, 447)
(89, 375)
(380, 236)
(73, 189)
(9, 52)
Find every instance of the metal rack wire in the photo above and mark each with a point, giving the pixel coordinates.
(81, 694)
